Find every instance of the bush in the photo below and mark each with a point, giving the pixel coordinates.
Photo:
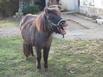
(8, 7)
(31, 9)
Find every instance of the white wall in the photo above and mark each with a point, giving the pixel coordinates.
(91, 7)
(96, 3)
(69, 4)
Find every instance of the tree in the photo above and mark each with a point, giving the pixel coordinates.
(23, 3)
(8, 7)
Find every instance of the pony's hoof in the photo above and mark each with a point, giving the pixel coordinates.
(46, 69)
(39, 67)
(33, 55)
(26, 58)
(38, 70)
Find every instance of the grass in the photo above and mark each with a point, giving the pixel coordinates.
(8, 23)
(67, 59)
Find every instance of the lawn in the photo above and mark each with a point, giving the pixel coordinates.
(9, 22)
(66, 59)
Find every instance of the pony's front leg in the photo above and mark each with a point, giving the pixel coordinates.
(45, 55)
(38, 56)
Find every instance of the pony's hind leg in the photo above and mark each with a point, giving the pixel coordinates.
(31, 49)
(26, 49)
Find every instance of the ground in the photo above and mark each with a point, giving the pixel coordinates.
(79, 27)
(83, 28)
(69, 56)
(66, 59)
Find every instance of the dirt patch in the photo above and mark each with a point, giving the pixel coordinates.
(8, 32)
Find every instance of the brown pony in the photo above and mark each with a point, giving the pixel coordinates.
(37, 32)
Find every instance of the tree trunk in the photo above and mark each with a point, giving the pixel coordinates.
(21, 4)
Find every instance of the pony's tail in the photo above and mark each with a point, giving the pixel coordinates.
(23, 20)
(27, 50)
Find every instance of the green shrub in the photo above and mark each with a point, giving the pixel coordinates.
(31, 9)
(8, 7)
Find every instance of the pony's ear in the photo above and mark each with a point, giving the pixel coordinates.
(46, 10)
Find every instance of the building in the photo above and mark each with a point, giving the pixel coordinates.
(70, 5)
(91, 7)
(88, 7)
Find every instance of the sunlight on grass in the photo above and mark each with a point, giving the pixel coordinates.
(8, 23)
(67, 59)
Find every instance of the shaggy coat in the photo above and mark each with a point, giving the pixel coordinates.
(37, 32)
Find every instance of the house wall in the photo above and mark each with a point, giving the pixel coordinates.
(69, 4)
(51, 2)
(91, 7)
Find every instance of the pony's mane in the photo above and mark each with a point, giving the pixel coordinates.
(40, 22)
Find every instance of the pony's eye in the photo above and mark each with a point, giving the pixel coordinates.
(62, 23)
